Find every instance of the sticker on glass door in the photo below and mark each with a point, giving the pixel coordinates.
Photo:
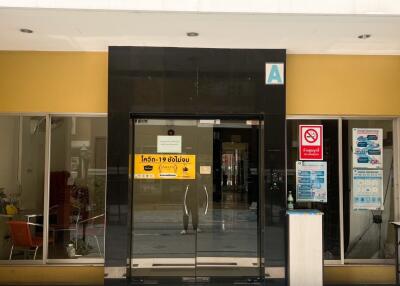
(166, 166)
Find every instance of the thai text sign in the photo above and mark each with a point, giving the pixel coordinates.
(165, 166)
(311, 142)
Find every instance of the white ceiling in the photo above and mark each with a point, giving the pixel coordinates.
(93, 30)
(325, 7)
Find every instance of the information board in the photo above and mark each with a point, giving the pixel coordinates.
(367, 189)
(311, 182)
(165, 166)
(367, 148)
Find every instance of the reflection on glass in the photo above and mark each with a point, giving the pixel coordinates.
(22, 149)
(331, 156)
(77, 187)
(367, 232)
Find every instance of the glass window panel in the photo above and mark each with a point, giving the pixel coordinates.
(367, 233)
(77, 187)
(331, 156)
(22, 153)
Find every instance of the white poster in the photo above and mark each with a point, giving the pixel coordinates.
(367, 189)
(205, 170)
(169, 144)
(311, 181)
(367, 148)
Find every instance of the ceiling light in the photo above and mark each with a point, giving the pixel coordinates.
(25, 30)
(192, 34)
(364, 36)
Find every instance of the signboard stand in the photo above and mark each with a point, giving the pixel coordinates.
(305, 248)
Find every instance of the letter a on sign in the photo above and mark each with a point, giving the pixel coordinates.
(311, 142)
(274, 73)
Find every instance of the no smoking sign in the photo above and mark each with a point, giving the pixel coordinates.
(311, 136)
(311, 142)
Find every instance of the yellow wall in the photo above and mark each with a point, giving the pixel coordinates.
(346, 85)
(51, 274)
(93, 275)
(360, 274)
(316, 84)
(53, 82)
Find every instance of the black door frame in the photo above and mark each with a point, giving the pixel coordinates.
(261, 176)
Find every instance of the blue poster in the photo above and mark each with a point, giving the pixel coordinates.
(367, 189)
(367, 148)
(311, 181)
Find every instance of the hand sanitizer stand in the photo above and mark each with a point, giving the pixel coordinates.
(305, 248)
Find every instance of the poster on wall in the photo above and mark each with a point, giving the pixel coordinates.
(165, 166)
(311, 142)
(311, 181)
(367, 148)
(367, 189)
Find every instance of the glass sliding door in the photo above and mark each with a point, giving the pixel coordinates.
(228, 238)
(160, 246)
(195, 200)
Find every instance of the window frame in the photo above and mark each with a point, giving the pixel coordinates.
(46, 192)
(396, 174)
(342, 261)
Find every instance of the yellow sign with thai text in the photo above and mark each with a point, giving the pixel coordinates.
(165, 166)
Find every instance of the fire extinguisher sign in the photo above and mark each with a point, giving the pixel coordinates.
(311, 142)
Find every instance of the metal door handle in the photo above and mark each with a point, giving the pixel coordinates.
(205, 189)
(184, 200)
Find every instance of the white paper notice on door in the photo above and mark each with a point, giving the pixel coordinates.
(169, 144)
(205, 170)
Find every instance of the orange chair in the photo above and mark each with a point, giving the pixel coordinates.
(21, 237)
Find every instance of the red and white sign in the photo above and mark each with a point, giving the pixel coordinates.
(311, 141)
